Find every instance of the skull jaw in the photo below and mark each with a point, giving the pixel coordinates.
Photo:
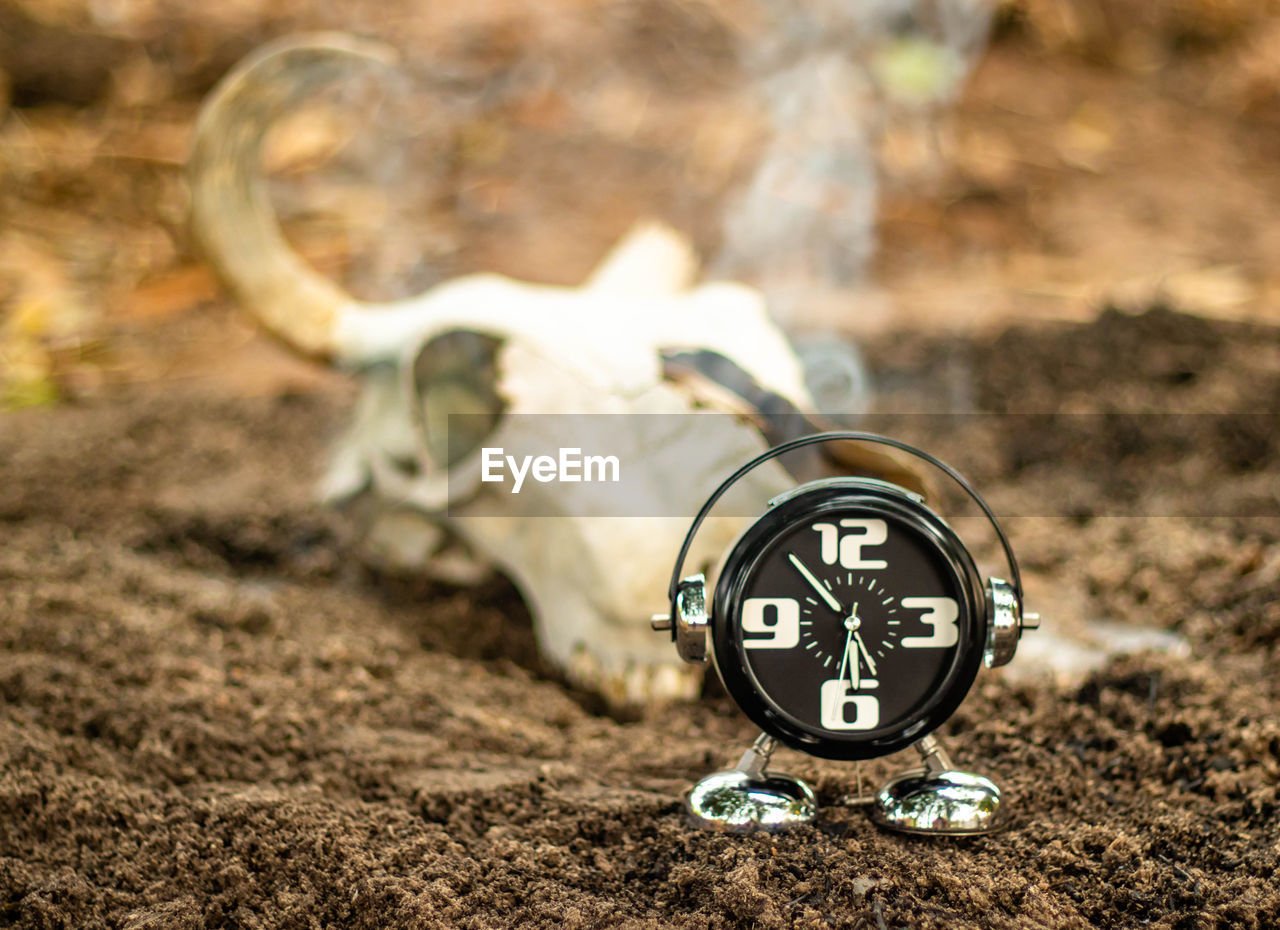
(403, 541)
(592, 585)
(595, 648)
(620, 659)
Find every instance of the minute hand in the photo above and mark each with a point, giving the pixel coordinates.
(817, 585)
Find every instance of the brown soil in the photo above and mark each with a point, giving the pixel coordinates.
(212, 717)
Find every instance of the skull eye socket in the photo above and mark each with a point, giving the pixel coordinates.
(456, 373)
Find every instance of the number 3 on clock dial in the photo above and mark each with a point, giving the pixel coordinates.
(942, 615)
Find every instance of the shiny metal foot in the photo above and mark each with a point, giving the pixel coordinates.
(747, 798)
(937, 800)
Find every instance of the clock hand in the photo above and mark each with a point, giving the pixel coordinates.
(817, 585)
(851, 623)
(844, 661)
(871, 663)
(855, 668)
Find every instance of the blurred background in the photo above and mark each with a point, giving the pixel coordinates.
(211, 714)
(939, 165)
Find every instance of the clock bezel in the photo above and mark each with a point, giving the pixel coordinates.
(805, 504)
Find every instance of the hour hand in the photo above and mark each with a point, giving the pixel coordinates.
(871, 663)
(817, 585)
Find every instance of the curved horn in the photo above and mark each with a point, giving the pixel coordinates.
(711, 375)
(231, 214)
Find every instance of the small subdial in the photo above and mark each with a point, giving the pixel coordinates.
(822, 634)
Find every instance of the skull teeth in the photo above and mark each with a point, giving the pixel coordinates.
(631, 683)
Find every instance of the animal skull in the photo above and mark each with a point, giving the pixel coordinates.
(636, 338)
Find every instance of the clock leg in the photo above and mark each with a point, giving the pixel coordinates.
(937, 799)
(748, 797)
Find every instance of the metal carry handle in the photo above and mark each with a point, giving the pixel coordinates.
(1015, 576)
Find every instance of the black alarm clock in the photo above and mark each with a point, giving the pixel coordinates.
(848, 622)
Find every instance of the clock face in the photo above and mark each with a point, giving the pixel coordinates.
(850, 625)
